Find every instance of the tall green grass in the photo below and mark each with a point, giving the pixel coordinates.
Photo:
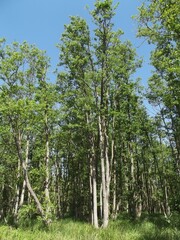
(147, 228)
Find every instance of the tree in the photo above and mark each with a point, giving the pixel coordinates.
(159, 24)
(22, 69)
(97, 71)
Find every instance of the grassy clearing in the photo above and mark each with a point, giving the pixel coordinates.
(148, 228)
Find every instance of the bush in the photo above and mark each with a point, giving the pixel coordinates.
(28, 217)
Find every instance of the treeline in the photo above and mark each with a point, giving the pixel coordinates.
(85, 146)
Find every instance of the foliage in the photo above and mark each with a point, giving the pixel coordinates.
(159, 24)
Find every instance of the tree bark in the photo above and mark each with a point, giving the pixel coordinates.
(104, 171)
(26, 178)
(17, 190)
(93, 179)
(47, 197)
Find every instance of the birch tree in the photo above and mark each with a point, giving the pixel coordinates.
(95, 67)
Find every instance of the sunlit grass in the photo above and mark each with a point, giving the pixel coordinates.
(148, 228)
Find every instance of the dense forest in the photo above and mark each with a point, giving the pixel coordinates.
(84, 146)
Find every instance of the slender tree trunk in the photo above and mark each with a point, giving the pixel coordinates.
(113, 163)
(24, 182)
(22, 194)
(26, 178)
(47, 197)
(167, 210)
(91, 191)
(94, 190)
(139, 187)
(104, 171)
(31, 191)
(57, 187)
(132, 199)
(16, 208)
(100, 203)
(114, 207)
(93, 181)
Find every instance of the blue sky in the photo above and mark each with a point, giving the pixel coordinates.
(41, 22)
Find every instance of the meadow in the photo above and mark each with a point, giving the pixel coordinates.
(147, 228)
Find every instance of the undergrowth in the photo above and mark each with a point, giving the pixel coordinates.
(154, 227)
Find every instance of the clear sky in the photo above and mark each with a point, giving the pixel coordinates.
(41, 22)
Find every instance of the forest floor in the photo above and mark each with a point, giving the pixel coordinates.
(147, 228)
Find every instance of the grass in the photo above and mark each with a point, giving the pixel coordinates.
(148, 228)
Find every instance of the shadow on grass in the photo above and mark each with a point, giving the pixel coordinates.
(152, 227)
